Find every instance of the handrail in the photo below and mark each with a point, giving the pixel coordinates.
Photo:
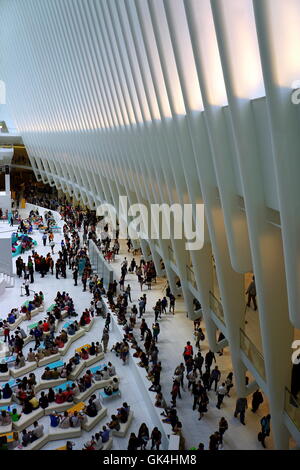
(292, 407)
(216, 306)
(253, 354)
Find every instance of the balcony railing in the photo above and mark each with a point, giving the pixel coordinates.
(253, 354)
(191, 276)
(171, 255)
(216, 307)
(292, 407)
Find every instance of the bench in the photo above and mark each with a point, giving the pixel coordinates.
(71, 340)
(103, 395)
(38, 444)
(57, 407)
(95, 386)
(27, 420)
(85, 364)
(64, 386)
(56, 364)
(6, 401)
(48, 360)
(124, 426)
(29, 367)
(55, 434)
(108, 445)
(5, 429)
(42, 384)
(90, 423)
(4, 377)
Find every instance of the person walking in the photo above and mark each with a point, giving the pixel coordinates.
(229, 383)
(257, 400)
(265, 429)
(198, 362)
(214, 378)
(188, 351)
(221, 392)
(172, 304)
(223, 426)
(209, 358)
(199, 336)
(251, 291)
(240, 409)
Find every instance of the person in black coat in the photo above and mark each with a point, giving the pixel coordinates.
(257, 399)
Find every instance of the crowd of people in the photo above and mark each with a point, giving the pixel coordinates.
(197, 369)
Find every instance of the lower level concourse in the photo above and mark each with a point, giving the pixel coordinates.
(175, 331)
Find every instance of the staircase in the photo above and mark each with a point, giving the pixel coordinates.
(7, 281)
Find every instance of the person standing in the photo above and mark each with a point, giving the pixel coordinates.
(105, 339)
(257, 399)
(265, 429)
(84, 281)
(240, 409)
(44, 238)
(75, 276)
(209, 358)
(26, 284)
(251, 291)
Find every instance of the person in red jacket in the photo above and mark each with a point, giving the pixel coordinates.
(188, 351)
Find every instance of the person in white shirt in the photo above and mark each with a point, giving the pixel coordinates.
(22, 332)
(221, 392)
(37, 431)
(98, 376)
(98, 445)
(111, 369)
(105, 374)
(115, 384)
(96, 402)
(65, 421)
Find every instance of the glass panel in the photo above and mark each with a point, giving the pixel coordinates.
(292, 407)
(253, 354)
(216, 307)
(191, 276)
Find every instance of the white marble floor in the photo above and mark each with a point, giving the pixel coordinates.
(175, 331)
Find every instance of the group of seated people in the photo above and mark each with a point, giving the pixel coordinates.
(97, 441)
(120, 417)
(33, 435)
(106, 373)
(85, 318)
